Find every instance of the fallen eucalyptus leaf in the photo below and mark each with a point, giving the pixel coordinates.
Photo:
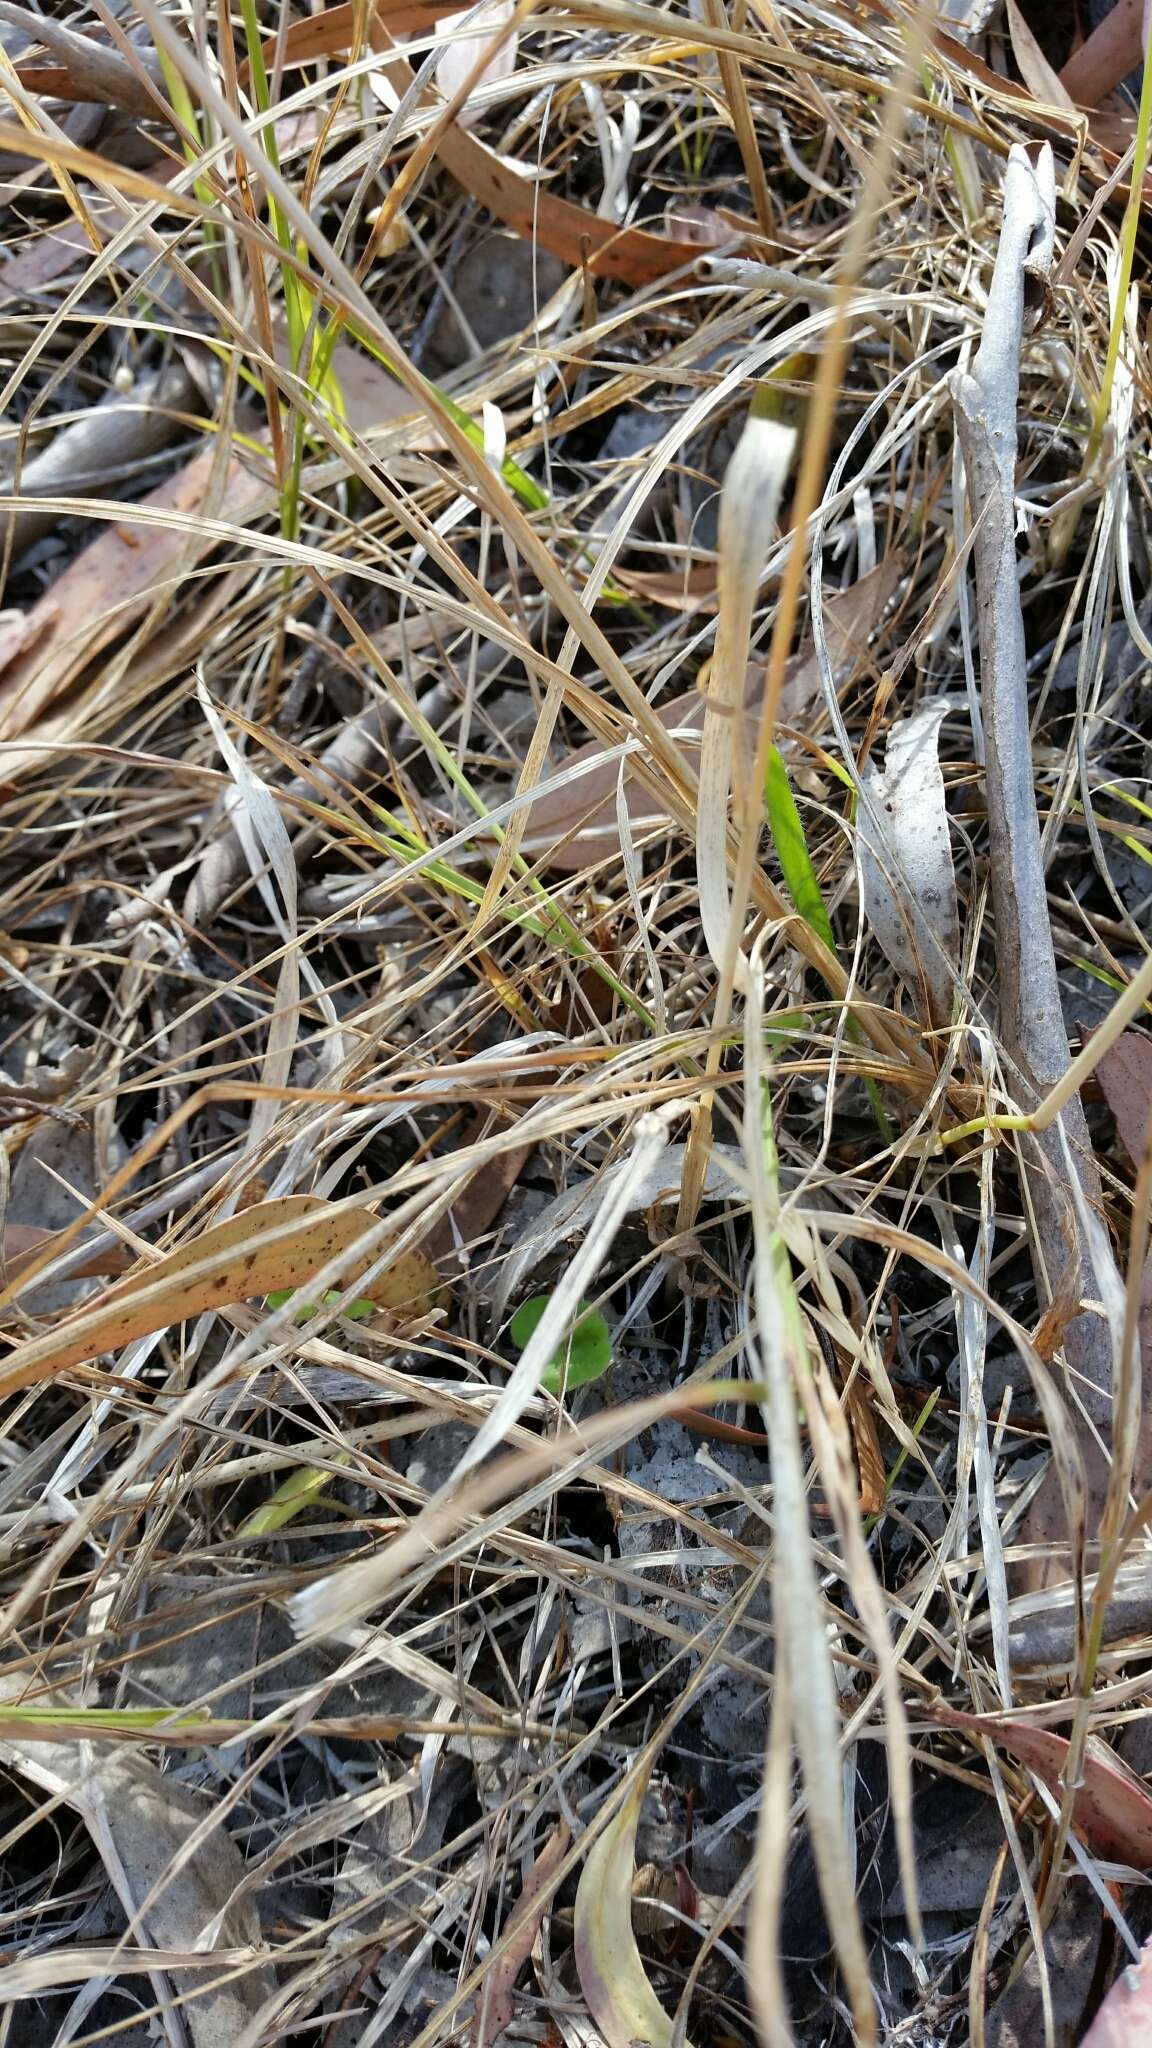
(1111, 1809)
(497, 2006)
(274, 1245)
(608, 1963)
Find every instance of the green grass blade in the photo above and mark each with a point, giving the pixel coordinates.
(787, 829)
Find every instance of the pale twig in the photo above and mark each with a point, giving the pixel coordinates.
(1032, 1020)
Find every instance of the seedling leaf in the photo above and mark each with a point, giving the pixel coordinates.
(586, 1356)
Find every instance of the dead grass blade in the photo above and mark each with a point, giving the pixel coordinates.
(780, 1349)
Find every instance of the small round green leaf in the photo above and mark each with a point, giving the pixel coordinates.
(585, 1356)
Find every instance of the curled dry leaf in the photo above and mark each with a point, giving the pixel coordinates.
(1112, 1808)
(178, 1881)
(279, 1244)
(906, 861)
(608, 1963)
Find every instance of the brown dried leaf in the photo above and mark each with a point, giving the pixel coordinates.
(1114, 48)
(1112, 1808)
(108, 689)
(497, 2006)
(331, 31)
(280, 1244)
(23, 1242)
(1125, 1075)
(691, 588)
(579, 238)
(111, 582)
(858, 1400)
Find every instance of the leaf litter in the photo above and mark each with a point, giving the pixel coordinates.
(510, 780)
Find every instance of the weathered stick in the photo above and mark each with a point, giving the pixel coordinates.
(1031, 1017)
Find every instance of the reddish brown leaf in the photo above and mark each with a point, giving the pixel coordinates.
(497, 2007)
(1112, 1809)
(688, 589)
(1112, 50)
(577, 237)
(46, 255)
(1125, 1075)
(477, 1206)
(858, 1400)
(23, 1242)
(330, 32)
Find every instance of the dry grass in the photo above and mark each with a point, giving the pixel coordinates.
(273, 887)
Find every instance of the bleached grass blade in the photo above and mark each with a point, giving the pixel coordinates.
(780, 1345)
(749, 503)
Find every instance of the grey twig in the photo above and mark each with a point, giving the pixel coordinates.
(1031, 1017)
(96, 72)
(125, 428)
